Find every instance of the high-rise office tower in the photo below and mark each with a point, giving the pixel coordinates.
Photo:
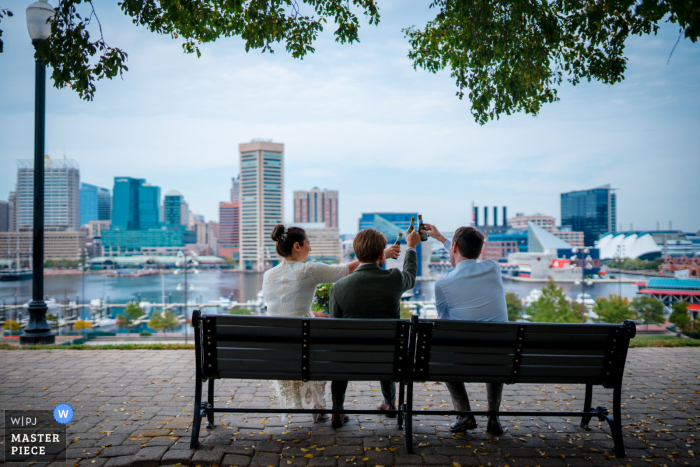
(12, 212)
(262, 202)
(61, 194)
(316, 206)
(229, 229)
(236, 189)
(593, 212)
(175, 209)
(4, 216)
(95, 204)
(136, 204)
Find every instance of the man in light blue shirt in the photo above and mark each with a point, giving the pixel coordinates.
(473, 291)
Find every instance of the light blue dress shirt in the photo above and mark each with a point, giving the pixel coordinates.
(473, 291)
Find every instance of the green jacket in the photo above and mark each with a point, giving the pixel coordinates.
(373, 293)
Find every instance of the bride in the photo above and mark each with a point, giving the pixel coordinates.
(288, 290)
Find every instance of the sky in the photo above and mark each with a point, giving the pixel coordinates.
(359, 119)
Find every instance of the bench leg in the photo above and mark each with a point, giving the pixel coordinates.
(400, 406)
(616, 426)
(587, 407)
(197, 417)
(210, 405)
(408, 410)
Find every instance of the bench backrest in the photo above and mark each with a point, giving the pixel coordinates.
(252, 347)
(467, 351)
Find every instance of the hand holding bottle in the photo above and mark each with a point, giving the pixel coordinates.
(392, 252)
(413, 239)
(433, 231)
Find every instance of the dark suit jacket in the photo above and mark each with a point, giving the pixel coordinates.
(373, 293)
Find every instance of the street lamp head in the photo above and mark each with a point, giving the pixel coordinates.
(574, 250)
(38, 14)
(586, 251)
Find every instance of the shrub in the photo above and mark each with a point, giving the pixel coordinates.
(145, 334)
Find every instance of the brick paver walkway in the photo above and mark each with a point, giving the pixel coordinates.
(134, 408)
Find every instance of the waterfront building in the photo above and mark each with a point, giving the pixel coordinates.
(548, 223)
(390, 224)
(95, 228)
(549, 256)
(12, 212)
(517, 236)
(236, 189)
(262, 202)
(175, 209)
(325, 242)
(130, 242)
(207, 234)
(498, 250)
(4, 216)
(151, 262)
(136, 204)
(521, 221)
(61, 194)
(58, 244)
(316, 206)
(593, 212)
(95, 203)
(670, 291)
(672, 265)
(229, 229)
(648, 245)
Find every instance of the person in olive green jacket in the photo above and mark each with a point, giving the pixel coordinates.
(372, 293)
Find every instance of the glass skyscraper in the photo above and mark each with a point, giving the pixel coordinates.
(262, 202)
(175, 210)
(593, 212)
(95, 204)
(136, 205)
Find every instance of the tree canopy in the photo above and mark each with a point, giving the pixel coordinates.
(507, 56)
(553, 306)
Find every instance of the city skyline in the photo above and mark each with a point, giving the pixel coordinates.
(364, 123)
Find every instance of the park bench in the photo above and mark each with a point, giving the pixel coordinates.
(538, 353)
(273, 348)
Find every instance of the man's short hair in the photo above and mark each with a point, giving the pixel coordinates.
(469, 242)
(369, 245)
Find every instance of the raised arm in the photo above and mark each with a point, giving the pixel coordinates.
(410, 261)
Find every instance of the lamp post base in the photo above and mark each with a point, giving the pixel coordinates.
(37, 338)
(38, 330)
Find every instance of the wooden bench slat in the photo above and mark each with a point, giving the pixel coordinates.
(563, 360)
(532, 338)
(557, 328)
(355, 333)
(555, 371)
(464, 370)
(472, 350)
(355, 368)
(260, 331)
(471, 358)
(470, 335)
(564, 352)
(357, 357)
(229, 344)
(230, 353)
(350, 347)
(267, 321)
(256, 365)
(358, 324)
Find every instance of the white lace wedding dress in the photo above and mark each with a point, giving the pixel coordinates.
(288, 290)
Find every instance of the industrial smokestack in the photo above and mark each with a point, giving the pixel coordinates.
(495, 216)
(486, 215)
(505, 217)
(476, 216)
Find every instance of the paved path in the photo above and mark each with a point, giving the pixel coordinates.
(134, 408)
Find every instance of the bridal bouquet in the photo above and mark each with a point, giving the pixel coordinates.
(322, 298)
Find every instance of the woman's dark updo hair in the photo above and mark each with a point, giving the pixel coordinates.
(285, 243)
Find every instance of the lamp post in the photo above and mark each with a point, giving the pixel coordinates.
(38, 330)
(586, 262)
(620, 254)
(183, 264)
(82, 258)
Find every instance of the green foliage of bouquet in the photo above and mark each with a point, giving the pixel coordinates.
(322, 298)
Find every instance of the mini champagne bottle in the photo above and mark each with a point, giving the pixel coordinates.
(398, 239)
(410, 227)
(421, 226)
